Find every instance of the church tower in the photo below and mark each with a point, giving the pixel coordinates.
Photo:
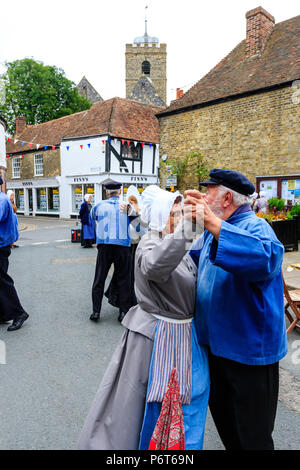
(146, 70)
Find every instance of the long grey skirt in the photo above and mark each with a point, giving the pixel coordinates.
(116, 416)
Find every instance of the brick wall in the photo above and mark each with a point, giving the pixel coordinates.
(51, 161)
(259, 26)
(256, 135)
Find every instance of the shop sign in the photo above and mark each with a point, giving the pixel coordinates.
(27, 183)
(139, 178)
(171, 181)
(80, 180)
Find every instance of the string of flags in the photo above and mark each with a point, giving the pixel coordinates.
(53, 147)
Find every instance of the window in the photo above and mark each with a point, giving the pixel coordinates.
(146, 67)
(130, 151)
(16, 165)
(47, 200)
(38, 165)
(19, 199)
(41, 199)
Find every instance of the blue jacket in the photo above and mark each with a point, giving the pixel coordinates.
(239, 304)
(8, 222)
(112, 225)
(84, 213)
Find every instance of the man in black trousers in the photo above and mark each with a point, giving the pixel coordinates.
(10, 306)
(113, 244)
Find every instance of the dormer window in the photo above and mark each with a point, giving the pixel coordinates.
(146, 67)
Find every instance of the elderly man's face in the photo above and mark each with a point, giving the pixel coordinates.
(214, 200)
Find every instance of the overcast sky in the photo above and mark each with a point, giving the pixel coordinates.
(88, 37)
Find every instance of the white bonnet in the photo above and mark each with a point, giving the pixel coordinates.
(156, 207)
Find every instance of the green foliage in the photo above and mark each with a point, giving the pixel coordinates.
(295, 210)
(275, 202)
(39, 92)
(289, 215)
(189, 170)
(193, 159)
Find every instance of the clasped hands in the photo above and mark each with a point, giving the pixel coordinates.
(197, 210)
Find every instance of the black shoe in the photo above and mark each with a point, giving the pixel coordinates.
(95, 316)
(16, 324)
(121, 316)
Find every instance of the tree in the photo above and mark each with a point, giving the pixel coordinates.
(189, 170)
(39, 92)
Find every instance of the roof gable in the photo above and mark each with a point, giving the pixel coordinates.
(145, 93)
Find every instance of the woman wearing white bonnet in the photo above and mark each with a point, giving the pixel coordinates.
(159, 337)
(88, 231)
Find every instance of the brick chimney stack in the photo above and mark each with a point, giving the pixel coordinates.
(179, 93)
(259, 27)
(20, 124)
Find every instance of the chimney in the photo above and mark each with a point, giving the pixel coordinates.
(20, 124)
(179, 93)
(259, 27)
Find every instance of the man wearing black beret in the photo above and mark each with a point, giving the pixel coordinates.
(239, 309)
(10, 306)
(113, 244)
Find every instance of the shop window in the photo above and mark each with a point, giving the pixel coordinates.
(78, 192)
(19, 199)
(16, 167)
(53, 200)
(38, 165)
(47, 199)
(77, 197)
(41, 199)
(90, 189)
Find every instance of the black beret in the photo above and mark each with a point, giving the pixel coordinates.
(230, 179)
(113, 185)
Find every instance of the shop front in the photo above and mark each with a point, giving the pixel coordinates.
(73, 189)
(36, 197)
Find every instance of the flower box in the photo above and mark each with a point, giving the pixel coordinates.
(286, 232)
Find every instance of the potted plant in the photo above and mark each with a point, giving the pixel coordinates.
(284, 225)
(295, 213)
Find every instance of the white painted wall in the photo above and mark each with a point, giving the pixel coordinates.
(85, 161)
(87, 165)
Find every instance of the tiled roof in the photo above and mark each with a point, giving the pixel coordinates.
(118, 117)
(278, 63)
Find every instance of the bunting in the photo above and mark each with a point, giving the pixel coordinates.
(81, 146)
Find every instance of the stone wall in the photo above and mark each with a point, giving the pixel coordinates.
(157, 56)
(51, 161)
(258, 135)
